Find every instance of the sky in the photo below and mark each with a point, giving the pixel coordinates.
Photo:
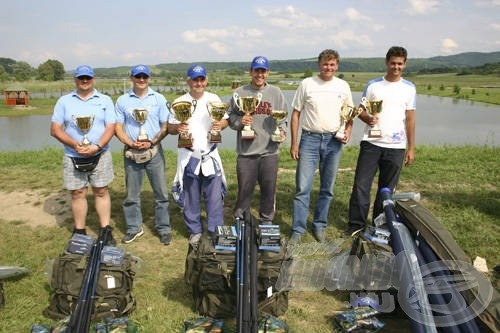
(111, 33)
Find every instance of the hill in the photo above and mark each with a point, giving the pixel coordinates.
(376, 64)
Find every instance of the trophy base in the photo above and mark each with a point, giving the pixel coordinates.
(142, 138)
(340, 135)
(247, 135)
(214, 137)
(276, 138)
(374, 134)
(185, 141)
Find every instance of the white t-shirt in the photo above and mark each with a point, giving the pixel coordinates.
(320, 103)
(397, 97)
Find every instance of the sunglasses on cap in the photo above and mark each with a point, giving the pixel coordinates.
(141, 76)
(84, 77)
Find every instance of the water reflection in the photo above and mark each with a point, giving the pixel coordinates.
(440, 121)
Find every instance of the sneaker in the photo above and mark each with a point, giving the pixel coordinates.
(194, 239)
(165, 239)
(79, 231)
(319, 235)
(111, 241)
(353, 230)
(295, 238)
(130, 237)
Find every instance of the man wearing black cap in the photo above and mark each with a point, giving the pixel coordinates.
(258, 157)
(143, 152)
(199, 168)
(96, 110)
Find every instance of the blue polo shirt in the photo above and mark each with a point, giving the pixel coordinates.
(154, 102)
(70, 106)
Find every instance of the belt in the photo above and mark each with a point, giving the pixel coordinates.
(319, 133)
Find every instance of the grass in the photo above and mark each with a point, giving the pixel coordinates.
(458, 184)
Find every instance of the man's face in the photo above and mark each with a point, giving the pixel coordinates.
(198, 84)
(259, 77)
(327, 68)
(395, 66)
(140, 81)
(84, 83)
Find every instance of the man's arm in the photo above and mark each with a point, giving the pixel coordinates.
(294, 132)
(410, 137)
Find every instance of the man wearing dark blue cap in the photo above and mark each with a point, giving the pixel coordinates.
(199, 168)
(258, 158)
(143, 152)
(96, 109)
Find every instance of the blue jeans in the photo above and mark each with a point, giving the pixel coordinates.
(314, 148)
(134, 175)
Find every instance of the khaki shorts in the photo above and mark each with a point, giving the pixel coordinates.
(101, 176)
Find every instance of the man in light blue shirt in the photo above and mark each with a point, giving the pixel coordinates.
(142, 117)
(97, 111)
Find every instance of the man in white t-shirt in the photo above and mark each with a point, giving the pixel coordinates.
(319, 101)
(394, 143)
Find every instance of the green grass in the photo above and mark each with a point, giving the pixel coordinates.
(458, 184)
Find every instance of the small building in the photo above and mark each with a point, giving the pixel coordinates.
(16, 96)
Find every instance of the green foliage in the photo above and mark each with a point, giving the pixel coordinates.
(307, 73)
(51, 70)
(22, 71)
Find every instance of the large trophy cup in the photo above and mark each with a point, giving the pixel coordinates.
(278, 116)
(141, 115)
(374, 108)
(247, 105)
(84, 124)
(347, 114)
(183, 111)
(217, 110)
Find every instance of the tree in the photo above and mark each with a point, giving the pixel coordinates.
(22, 71)
(51, 70)
(308, 73)
(4, 76)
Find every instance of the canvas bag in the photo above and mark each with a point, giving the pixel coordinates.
(211, 274)
(113, 294)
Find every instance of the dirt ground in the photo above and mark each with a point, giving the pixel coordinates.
(35, 208)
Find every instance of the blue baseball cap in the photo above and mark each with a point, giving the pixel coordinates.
(260, 62)
(196, 71)
(84, 70)
(140, 69)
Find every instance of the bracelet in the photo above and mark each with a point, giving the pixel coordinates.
(151, 142)
(98, 146)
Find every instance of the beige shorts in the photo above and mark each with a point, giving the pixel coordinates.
(101, 176)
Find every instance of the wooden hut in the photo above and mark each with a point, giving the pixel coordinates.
(16, 96)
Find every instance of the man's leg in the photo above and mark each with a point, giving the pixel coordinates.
(268, 171)
(79, 207)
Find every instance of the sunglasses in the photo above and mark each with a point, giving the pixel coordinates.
(85, 77)
(141, 76)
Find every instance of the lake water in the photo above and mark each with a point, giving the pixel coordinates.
(440, 121)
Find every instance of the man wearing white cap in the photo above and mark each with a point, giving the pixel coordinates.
(141, 124)
(87, 159)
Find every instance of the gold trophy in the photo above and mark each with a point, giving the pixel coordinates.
(84, 124)
(278, 116)
(347, 114)
(217, 110)
(374, 108)
(247, 105)
(183, 111)
(141, 115)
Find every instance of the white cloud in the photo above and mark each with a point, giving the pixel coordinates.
(422, 7)
(287, 18)
(354, 15)
(448, 46)
(219, 48)
(495, 26)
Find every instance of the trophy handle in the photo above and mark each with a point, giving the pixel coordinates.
(259, 99)
(236, 99)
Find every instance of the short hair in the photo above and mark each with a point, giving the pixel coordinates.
(396, 51)
(328, 54)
